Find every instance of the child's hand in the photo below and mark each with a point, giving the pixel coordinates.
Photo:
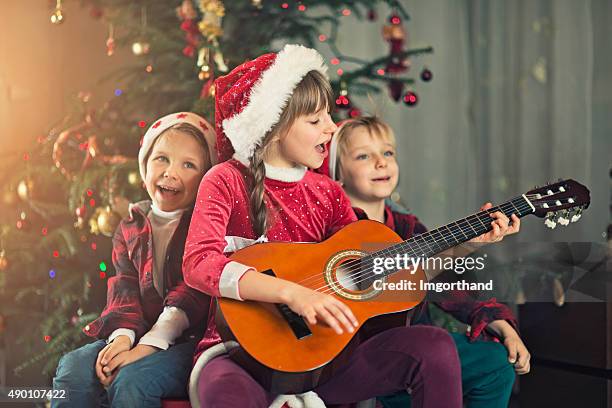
(500, 226)
(311, 304)
(119, 345)
(128, 357)
(518, 355)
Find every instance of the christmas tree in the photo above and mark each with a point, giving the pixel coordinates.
(69, 192)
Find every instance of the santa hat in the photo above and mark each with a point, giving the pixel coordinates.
(250, 100)
(166, 123)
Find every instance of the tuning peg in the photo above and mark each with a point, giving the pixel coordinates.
(564, 218)
(550, 221)
(577, 215)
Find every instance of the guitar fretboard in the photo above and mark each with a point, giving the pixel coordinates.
(440, 239)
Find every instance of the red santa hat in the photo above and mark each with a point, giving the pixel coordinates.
(250, 100)
(166, 123)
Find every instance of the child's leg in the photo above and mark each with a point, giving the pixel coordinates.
(76, 374)
(164, 374)
(420, 358)
(224, 383)
(487, 376)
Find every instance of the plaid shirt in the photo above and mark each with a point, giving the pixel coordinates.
(463, 307)
(132, 300)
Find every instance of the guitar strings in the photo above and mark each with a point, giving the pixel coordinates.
(367, 272)
(436, 234)
(356, 270)
(460, 229)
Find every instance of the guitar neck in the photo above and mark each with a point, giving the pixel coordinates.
(440, 239)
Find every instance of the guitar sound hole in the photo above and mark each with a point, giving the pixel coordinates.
(352, 277)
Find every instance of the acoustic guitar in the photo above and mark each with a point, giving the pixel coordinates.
(287, 355)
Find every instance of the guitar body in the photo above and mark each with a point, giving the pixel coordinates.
(272, 352)
(286, 355)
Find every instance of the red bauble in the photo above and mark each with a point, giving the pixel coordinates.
(81, 211)
(410, 98)
(372, 14)
(395, 19)
(354, 112)
(426, 75)
(343, 102)
(189, 51)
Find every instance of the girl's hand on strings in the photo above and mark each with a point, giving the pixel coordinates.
(500, 225)
(317, 307)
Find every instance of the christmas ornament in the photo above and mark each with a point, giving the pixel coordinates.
(133, 178)
(204, 64)
(208, 89)
(107, 221)
(23, 224)
(397, 64)
(187, 13)
(257, 4)
(411, 99)
(82, 151)
(110, 41)
(25, 189)
(141, 47)
(80, 212)
(219, 60)
(93, 222)
(426, 75)
(372, 14)
(3, 261)
(68, 161)
(212, 14)
(354, 112)
(342, 101)
(57, 17)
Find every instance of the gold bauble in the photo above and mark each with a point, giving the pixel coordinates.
(57, 17)
(140, 48)
(24, 189)
(108, 220)
(133, 178)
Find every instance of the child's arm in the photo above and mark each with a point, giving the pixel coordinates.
(303, 301)
(518, 355)
(123, 309)
(206, 268)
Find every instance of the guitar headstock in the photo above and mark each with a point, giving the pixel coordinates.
(561, 202)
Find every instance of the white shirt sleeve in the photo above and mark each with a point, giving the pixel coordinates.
(169, 326)
(230, 276)
(122, 332)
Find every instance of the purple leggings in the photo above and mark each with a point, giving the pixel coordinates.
(420, 358)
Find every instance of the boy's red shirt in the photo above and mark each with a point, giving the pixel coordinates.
(132, 300)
